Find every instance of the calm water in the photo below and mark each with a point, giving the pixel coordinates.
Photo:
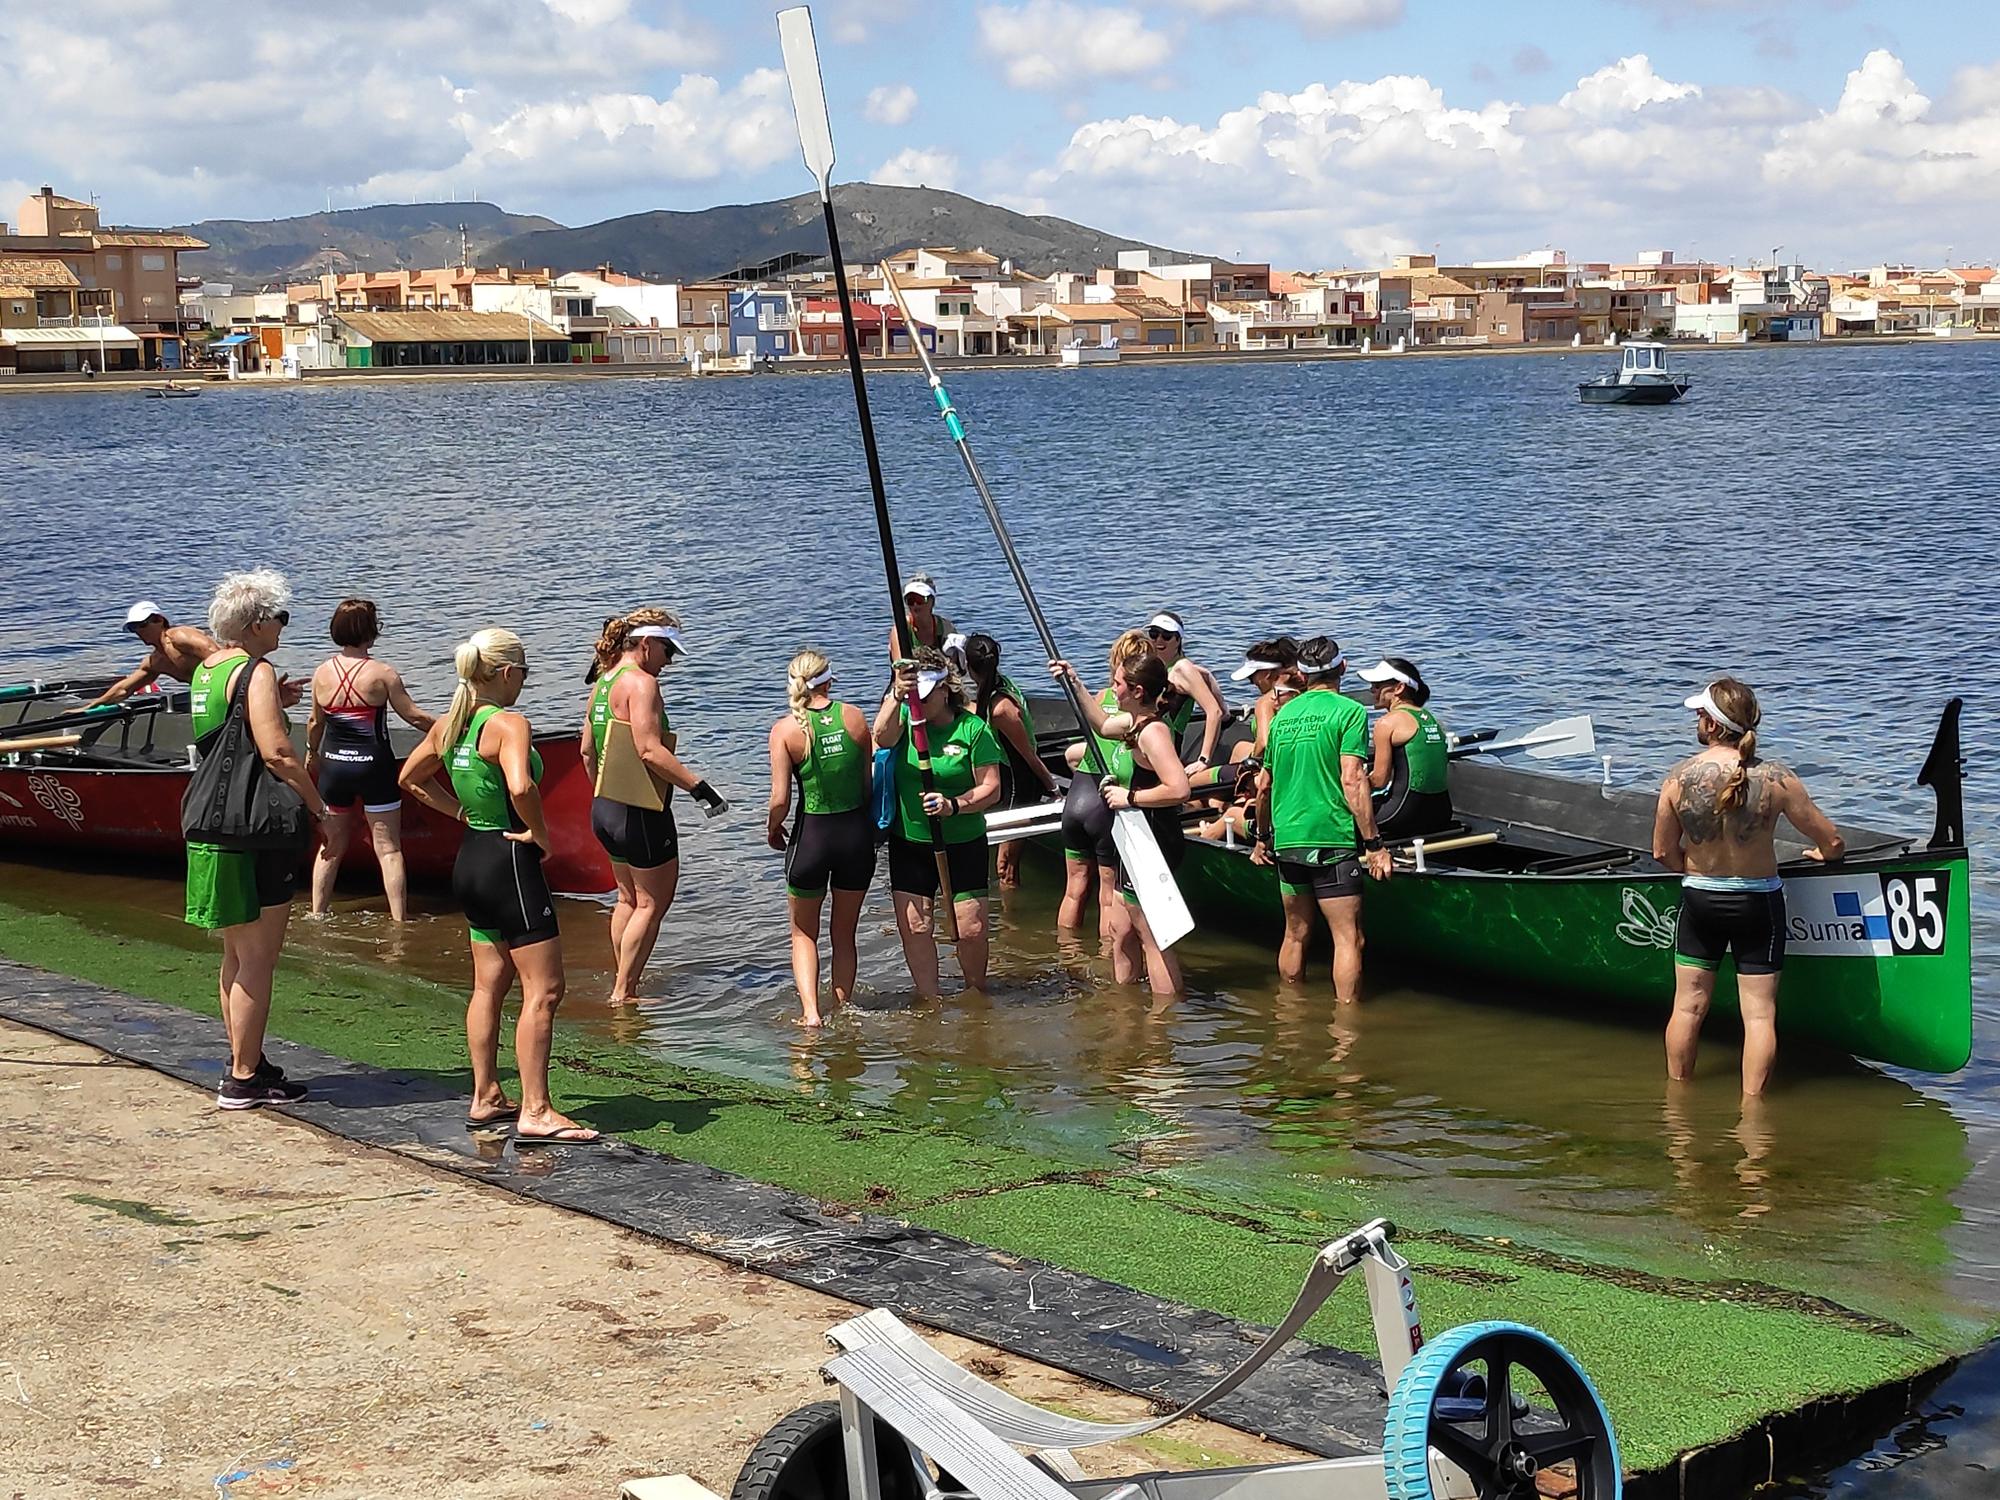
(1821, 522)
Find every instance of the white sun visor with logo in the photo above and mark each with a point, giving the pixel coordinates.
(1704, 702)
(1251, 667)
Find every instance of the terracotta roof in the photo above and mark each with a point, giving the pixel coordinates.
(445, 327)
(1151, 307)
(28, 271)
(147, 239)
(952, 252)
(56, 200)
(1974, 275)
(1441, 286)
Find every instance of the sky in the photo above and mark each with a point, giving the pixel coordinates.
(1311, 133)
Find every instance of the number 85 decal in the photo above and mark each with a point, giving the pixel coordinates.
(1917, 906)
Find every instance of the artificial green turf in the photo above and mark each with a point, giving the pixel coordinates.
(1679, 1365)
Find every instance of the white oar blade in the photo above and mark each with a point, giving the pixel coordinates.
(795, 35)
(1152, 880)
(1577, 736)
(1024, 822)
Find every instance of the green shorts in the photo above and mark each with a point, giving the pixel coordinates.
(229, 887)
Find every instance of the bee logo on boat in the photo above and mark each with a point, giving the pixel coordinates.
(1645, 925)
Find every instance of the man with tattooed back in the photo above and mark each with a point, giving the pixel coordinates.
(1717, 826)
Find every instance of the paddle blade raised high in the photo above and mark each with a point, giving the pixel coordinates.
(795, 36)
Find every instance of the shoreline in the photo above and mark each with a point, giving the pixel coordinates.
(1807, 1374)
(127, 380)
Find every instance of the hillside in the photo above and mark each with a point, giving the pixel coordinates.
(260, 252)
(874, 222)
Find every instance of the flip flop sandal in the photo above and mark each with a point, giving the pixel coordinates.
(572, 1135)
(500, 1119)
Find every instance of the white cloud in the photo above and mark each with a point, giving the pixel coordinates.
(1049, 44)
(912, 167)
(1316, 15)
(1350, 170)
(890, 103)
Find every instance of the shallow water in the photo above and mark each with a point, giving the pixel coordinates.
(1820, 521)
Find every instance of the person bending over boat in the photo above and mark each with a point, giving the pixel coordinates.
(349, 757)
(1024, 780)
(486, 749)
(965, 768)
(171, 651)
(1146, 773)
(1716, 825)
(822, 745)
(247, 895)
(1188, 686)
(927, 626)
(626, 710)
(1316, 819)
(1090, 860)
(1272, 667)
(1409, 765)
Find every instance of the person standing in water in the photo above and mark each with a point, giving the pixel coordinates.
(965, 769)
(1716, 825)
(246, 895)
(1316, 817)
(1188, 686)
(348, 754)
(1090, 859)
(486, 749)
(1024, 780)
(642, 841)
(1409, 765)
(822, 744)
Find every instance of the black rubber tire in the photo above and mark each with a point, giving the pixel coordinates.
(803, 1458)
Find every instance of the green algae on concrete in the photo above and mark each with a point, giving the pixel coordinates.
(1680, 1362)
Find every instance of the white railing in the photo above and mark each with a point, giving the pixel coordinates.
(768, 322)
(96, 319)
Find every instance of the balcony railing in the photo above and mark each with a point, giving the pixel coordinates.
(101, 318)
(769, 322)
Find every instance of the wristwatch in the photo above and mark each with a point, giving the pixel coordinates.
(1369, 846)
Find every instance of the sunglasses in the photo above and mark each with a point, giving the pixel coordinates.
(1155, 633)
(282, 616)
(520, 667)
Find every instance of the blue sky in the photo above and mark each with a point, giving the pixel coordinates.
(1309, 132)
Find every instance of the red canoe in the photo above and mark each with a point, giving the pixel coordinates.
(85, 804)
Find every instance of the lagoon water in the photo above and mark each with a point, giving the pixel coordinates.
(1823, 522)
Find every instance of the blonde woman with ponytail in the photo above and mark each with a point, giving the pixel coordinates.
(1716, 826)
(642, 840)
(822, 745)
(486, 749)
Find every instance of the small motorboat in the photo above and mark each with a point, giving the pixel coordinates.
(1643, 379)
(170, 390)
(1077, 353)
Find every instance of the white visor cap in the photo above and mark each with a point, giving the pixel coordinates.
(1704, 702)
(1165, 621)
(1383, 672)
(920, 588)
(665, 633)
(929, 682)
(141, 612)
(1251, 667)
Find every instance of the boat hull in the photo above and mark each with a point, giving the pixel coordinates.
(135, 811)
(1595, 393)
(1879, 958)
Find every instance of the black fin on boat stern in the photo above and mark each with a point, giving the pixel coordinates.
(1944, 774)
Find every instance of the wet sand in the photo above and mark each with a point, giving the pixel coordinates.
(266, 1309)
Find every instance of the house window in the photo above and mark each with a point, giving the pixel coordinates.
(778, 343)
(152, 263)
(113, 262)
(1499, 327)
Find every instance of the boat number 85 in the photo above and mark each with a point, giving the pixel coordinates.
(1917, 911)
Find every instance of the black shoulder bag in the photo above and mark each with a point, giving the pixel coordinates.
(232, 800)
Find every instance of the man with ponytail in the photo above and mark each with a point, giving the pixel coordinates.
(822, 745)
(1716, 825)
(486, 749)
(627, 717)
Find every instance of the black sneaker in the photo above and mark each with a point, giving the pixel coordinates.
(248, 1093)
(267, 1071)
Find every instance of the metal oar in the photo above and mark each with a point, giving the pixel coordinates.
(1573, 736)
(795, 35)
(1138, 848)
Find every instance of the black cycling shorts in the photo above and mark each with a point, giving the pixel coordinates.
(635, 836)
(1412, 814)
(277, 876)
(836, 849)
(1337, 872)
(372, 783)
(1086, 822)
(1748, 924)
(913, 867)
(499, 885)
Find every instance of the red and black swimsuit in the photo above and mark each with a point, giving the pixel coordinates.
(356, 763)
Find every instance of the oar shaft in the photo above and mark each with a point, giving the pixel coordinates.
(42, 742)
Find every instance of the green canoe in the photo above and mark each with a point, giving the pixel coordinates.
(1562, 897)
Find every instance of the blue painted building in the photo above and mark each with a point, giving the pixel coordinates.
(761, 323)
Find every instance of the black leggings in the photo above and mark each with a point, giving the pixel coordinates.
(1086, 822)
(836, 849)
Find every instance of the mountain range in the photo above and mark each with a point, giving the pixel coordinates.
(874, 221)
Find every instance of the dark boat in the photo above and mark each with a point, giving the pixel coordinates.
(1642, 379)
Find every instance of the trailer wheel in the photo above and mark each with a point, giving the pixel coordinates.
(1505, 1403)
(803, 1458)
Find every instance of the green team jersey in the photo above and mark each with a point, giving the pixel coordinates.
(600, 710)
(1308, 738)
(1427, 752)
(833, 778)
(956, 754)
(208, 704)
(480, 784)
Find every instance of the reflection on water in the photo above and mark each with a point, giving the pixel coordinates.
(1537, 558)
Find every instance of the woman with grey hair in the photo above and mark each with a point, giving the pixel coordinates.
(246, 895)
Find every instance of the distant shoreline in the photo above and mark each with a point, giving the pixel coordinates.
(126, 380)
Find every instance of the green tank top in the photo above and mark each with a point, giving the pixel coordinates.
(480, 784)
(1427, 751)
(208, 702)
(833, 778)
(600, 710)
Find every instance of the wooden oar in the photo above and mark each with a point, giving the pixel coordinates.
(1572, 736)
(795, 36)
(1422, 849)
(41, 742)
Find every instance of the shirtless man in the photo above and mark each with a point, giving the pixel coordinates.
(1716, 825)
(172, 651)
